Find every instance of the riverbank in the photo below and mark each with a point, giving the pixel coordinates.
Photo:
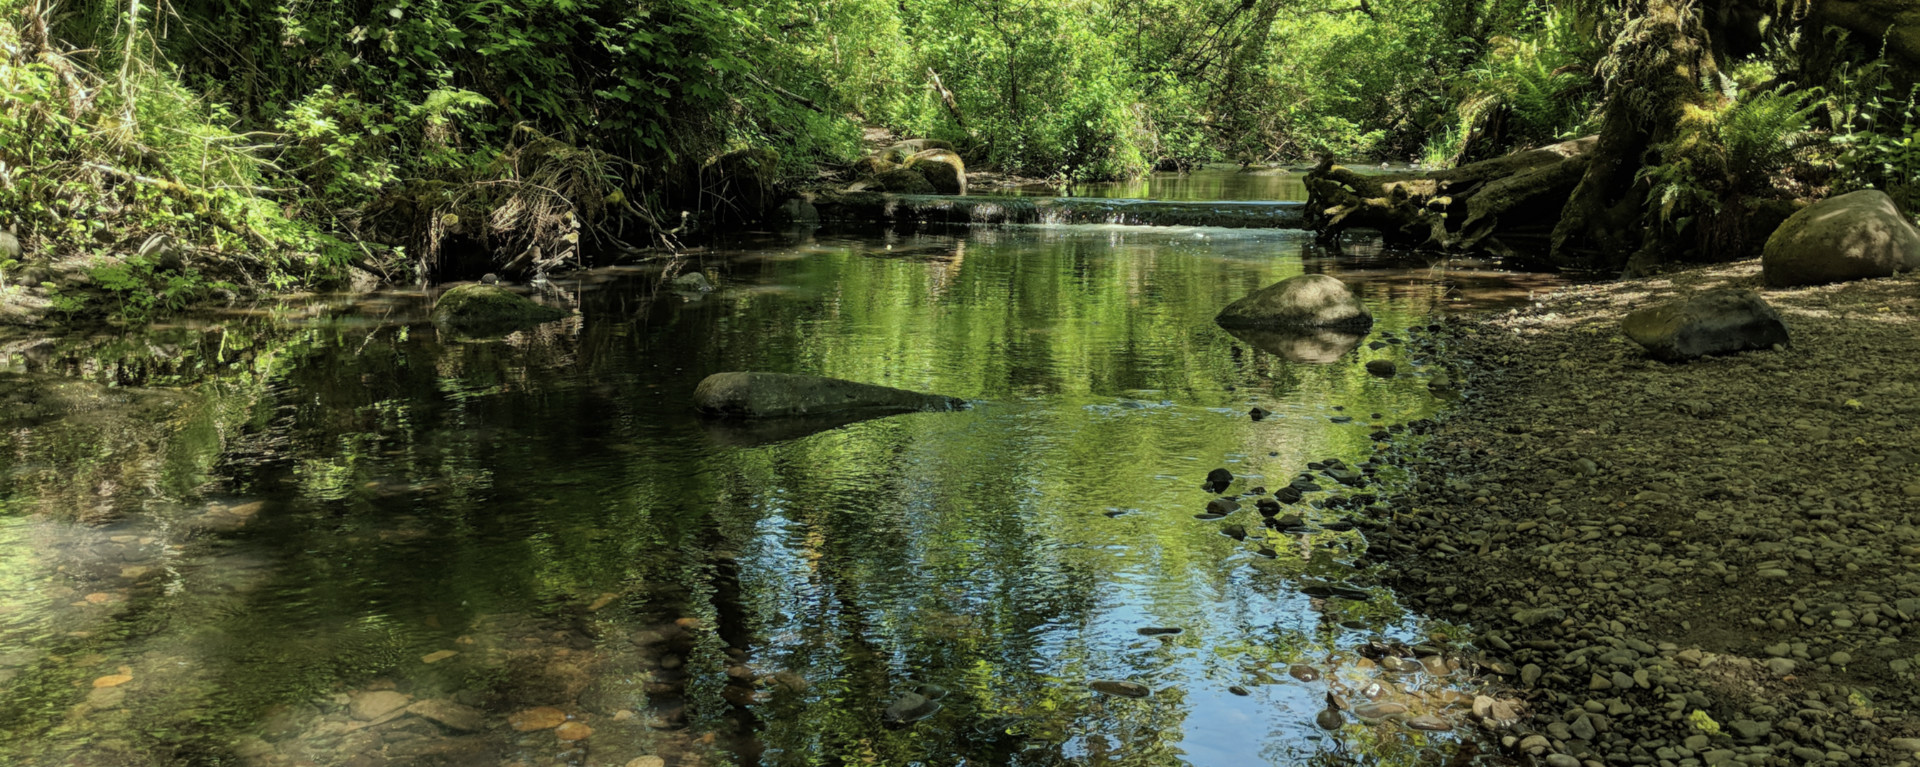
(1703, 563)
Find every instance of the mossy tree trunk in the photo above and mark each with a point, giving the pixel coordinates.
(1596, 202)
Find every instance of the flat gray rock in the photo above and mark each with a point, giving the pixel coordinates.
(1715, 322)
(783, 395)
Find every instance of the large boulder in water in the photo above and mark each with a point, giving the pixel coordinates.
(943, 169)
(1715, 322)
(781, 395)
(1306, 301)
(1851, 237)
(490, 308)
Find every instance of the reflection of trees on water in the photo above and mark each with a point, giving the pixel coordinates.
(420, 488)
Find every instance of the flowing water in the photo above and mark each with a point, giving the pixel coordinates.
(327, 533)
(1215, 183)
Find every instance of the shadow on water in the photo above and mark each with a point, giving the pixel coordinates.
(321, 533)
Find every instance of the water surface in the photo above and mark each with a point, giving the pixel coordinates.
(329, 533)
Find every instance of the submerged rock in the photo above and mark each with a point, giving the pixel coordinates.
(1382, 368)
(1715, 322)
(693, 282)
(776, 395)
(911, 707)
(1851, 237)
(1306, 301)
(490, 308)
(1119, 688)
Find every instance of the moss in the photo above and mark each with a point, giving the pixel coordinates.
(490, 308)
(905, 181)
(943, 169)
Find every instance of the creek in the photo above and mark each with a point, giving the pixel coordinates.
(325, 532)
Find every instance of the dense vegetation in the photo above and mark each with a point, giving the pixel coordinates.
(219, 144)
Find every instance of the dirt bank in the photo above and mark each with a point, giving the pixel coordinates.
(1713, 562)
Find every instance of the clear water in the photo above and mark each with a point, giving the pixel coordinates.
(326, 533)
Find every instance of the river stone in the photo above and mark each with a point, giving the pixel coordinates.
(904, 181)
(1306, 301)
(9, 245)
(775, 395)
(943, 169)
(449, 714)
(368, 706)
(693, 282)
(1430, 723)
(1851, 237)
(1378, 710)
(1714, 322)
(1119, 688)
(911, 707)
(1382, 368)
(490, 308)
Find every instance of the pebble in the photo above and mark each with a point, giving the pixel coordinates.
(542, 718)
(436, 657)
(572, 731)
(1430, 723)
(1304, 673)
(368, 706)
(1378, 710)
(1382, 368)
(647, 761)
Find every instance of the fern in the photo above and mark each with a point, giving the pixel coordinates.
(1762, 132)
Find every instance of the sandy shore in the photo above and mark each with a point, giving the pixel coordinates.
(1714, 562)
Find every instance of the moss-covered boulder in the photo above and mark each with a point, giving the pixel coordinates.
(872, 165)
(899, 153)
(1850, 237)
(490, 308)
(1306, 301)
(784, 395)
(943, 169)
(904, 181)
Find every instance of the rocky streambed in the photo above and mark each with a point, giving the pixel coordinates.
(1711, 562)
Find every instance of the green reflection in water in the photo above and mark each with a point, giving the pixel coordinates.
(276, 526)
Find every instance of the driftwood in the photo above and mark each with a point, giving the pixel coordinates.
(1471, 207)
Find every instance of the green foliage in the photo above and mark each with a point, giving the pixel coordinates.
(1762, 131)
(1877, 131)
(93, 165)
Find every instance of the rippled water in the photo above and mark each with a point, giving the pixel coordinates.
(327, 533)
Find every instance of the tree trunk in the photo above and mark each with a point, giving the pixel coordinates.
(1587, 199)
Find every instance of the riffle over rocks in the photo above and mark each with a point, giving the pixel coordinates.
(1306, 301)
(1714, 322)
(782, 395)
(1855, 236)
